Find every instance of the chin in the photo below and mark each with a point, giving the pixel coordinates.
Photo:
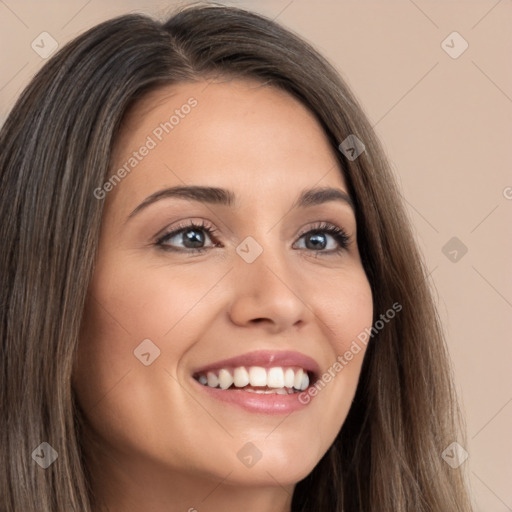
(268, 475)
(275, 467)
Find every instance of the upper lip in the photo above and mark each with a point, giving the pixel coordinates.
(267, 359)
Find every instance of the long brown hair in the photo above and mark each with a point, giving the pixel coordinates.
(56, 147)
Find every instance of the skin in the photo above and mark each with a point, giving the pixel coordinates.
(157, 442)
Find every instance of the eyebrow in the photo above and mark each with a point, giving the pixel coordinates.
(225, 197)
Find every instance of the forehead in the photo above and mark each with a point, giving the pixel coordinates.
(242, 133)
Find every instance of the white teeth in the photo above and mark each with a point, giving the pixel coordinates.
(241, 377)
(213, 381)
(305, 381)
(298, 378)
(225, 379)
(289, 378)
(257, 376)
(277, 391)
(280, 380)
(275, 378)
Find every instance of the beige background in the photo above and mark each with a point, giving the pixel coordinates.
(446, 124)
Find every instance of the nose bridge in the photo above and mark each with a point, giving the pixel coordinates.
(264, 261)
(267, 283)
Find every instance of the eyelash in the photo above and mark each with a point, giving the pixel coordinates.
(340, 235)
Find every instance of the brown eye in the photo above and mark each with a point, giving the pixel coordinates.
(317, 241)
(192, 236)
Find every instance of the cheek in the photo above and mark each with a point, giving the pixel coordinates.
(128, 304)
(344, 306)
(125, 306)
(137, 303)
(345, 310)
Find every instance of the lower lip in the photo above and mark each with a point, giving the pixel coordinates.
(257, 402)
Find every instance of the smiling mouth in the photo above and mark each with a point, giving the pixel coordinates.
(280, 380)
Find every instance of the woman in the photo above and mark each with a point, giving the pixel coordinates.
(284, 355)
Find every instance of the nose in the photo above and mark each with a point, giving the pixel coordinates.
(268, 291)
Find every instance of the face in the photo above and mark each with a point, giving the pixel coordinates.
(264, 293)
